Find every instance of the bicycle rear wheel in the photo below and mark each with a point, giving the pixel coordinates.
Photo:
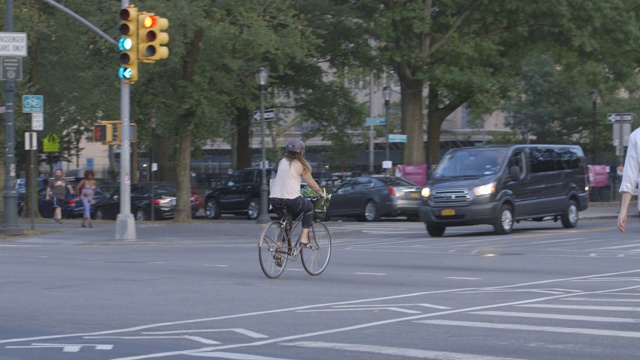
(272, 250)
(316, 258)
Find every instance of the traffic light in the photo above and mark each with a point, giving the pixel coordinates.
(103, 133)
(128, 44)
(133, 133)
(152, 37)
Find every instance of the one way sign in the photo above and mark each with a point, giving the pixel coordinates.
(269, 115)
(619, 117)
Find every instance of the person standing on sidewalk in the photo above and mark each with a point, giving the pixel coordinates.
(85, 190)
(58, 187)
(630, 177)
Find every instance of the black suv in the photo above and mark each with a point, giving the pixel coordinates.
(240, 195)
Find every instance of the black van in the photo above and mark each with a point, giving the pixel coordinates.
(498, 185)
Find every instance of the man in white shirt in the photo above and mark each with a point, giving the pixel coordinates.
(630, 174)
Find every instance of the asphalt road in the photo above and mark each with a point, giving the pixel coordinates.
(390, 292)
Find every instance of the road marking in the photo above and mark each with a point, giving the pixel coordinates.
(338, 330)
(193, 338)
(604, 299)
(557, 316)
(395, 351)
(215, 265)
(64, 347)
(376, 308)
(485, 325)
(246, 332)
(461, 278)
(583, 307)
(613, 247)
(368, 325)
(238, 356)
(368, 273)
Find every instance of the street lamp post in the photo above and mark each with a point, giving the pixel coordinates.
(386, 93)
(594, 102)
(263, 216)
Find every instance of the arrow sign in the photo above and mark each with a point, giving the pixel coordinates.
(619, 117)
(269, 115)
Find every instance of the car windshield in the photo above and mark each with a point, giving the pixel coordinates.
(471, 162)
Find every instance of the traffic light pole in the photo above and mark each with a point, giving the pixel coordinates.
(9, 194)
(125, 223)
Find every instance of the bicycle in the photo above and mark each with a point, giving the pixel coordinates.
(275, 247)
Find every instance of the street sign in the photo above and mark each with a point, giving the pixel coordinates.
(619, 117)
(51, 143)
(397, 138)
(31, 140)
(32, 103)
(11, 68)
(375, 121)
(37, 121)
(269, 115)
(13, 44)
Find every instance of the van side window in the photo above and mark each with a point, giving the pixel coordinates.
(569, 158)
(517, 160)
(543, 160)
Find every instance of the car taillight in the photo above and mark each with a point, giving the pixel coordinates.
(71, 202)
(161, 201)
(392, 191)
(156, 201)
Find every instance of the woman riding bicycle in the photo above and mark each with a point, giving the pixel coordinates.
(285, 188)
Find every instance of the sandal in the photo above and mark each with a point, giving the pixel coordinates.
(306, 245)
(277, 256)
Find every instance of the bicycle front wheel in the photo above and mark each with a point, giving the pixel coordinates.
(272, 250)
(316, 258)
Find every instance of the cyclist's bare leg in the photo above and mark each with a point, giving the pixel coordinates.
(304, 237)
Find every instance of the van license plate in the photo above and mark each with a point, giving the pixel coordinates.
(415, 195)
(447, 212)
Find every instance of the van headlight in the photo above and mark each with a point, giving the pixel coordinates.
(426, 192)
(485, 189)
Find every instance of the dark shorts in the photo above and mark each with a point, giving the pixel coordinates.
(57, 203)
(299, 205)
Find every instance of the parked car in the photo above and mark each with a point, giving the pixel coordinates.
(501, 185)
(240, 195)
(164, 202)
(368, 198)
(73, 207)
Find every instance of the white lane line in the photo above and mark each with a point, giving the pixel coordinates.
(461, 278)
(245, 332)
(583, 307)
(236, 356)
(485, 325)
(193, 338)
(368, 273)
(212, 265)
(364, 325)
(422, 304)
(614, 247)
(603, 299)
(395, 351)
(557, 316)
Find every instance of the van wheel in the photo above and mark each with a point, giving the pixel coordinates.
(504, 222)
(435, 231)
(570, 216)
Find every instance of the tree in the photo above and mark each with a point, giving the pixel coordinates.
(469, 51)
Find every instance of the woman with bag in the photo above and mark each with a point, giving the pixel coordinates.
(85, 191)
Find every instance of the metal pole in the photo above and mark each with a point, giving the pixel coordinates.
(33, 188)
(371, 126)
(125, 223)
(9, 193)
(263, 217)
(594, 101)
(153, 156)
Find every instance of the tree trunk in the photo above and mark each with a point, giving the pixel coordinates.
(165, 159)
(412, 119)
(183, 174)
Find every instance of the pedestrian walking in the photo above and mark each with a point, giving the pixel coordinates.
(85, 190)
(58, 187)
(630, 175)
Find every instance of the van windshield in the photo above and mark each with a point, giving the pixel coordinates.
(471, 162)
